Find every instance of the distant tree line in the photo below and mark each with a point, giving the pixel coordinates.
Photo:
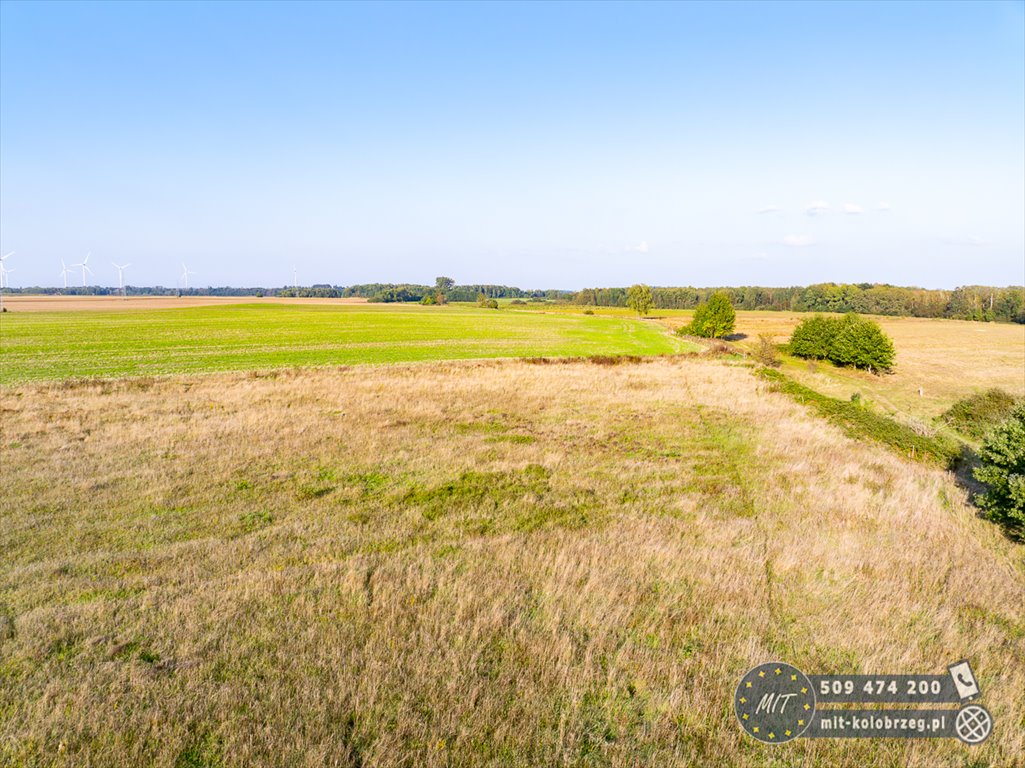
(389, 292)
(971, 302)
(380, 292)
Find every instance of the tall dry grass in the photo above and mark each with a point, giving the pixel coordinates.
(471, 564)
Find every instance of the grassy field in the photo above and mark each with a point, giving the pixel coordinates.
(54, 345)
(474, 562)
(947, 359)
(478, 563)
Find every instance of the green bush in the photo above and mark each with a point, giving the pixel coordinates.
(713, 319)
(813, 337)
(861, 343)
(851, 340)
(974, 416)
(485, 302)
(1003, 472)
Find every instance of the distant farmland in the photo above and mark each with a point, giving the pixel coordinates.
(55, 345)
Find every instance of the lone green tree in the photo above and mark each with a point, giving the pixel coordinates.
(714, 319)
(444, 284)
(1003, 472)
(638, 298)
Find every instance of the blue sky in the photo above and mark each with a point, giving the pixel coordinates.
(540, 145)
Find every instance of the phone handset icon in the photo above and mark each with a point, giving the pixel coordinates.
(964, 680)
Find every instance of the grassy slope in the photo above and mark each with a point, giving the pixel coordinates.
(49, 345)
(478, 563)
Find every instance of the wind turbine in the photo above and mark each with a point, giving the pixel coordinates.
(121, 278)
(4, 270)
(295, 280)
(84, 265)
(185, 275)
(64, 273)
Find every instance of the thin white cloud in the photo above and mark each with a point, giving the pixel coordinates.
(966, 241)
(798, 241)
(769, 209)
(814, 209)
(852, 209)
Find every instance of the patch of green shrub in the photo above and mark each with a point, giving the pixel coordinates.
(977, 414)
(849, 341)
(713, 319)
(858, 421)
(484, 301)
(472, 490)
(1003, 472)
(254, 520)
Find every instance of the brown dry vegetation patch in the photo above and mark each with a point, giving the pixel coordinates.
(483, 563)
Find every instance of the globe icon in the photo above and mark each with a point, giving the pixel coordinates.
(973, 724)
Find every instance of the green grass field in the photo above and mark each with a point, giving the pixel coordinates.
(56, 345)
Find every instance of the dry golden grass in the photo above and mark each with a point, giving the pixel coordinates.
(482, 563)
(947, 359)
(30, 303)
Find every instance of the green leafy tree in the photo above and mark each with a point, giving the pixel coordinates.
(813, 337)
(861, 343)
(850, 340)
(713, 319)
(1003, 472)
(444, 283)
(638, 298)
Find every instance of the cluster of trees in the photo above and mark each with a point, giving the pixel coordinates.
(484, 301)
(849, 340)
(446, 287)
(713, 319)
(321, 291)
(974, 302)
